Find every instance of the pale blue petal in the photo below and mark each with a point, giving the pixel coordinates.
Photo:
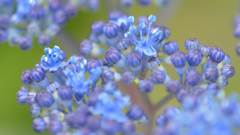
(150, 51)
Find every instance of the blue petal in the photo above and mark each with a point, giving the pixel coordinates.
(150, 51)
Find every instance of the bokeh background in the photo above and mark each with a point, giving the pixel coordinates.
(210, 21)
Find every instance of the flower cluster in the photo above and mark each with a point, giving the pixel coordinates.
(65, 96)
(129, 3)
(137, 49)
(143, 48)
(21, 20)
(236, 31)
(202, 114)
(62, 100)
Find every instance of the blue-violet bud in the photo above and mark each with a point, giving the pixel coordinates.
(194, 57)
(173, 86)
(135, 112)
(205, 49)
(134, 59)
(37, 74)
(211, 74)
(146, 86)
(178, 59)
(238, 49)
(25, 77)
(170, 47)
(35, 110)
(110, 30)
(65, 92)
(191, 44)
(44, 40)
(115, 14)
(160, 120)
(228, 71)
(70, 10)
(85, 47)
(217, 54)
(39, 125)
(127, 78)
(213, 89)
(54, 5)
(97, 27)
(193, 78)
(93, 123)
(157, 76)
(44, 99)
(144, 2)
(25, 43)
(60, 17)
(22, 97)
(128, 127)
(55, 126)
(37, 12)
(113, 55)
(123, 44)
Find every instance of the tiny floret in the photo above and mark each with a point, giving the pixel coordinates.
(53, 60)
(144, 46)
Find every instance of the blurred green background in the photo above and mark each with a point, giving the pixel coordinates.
(210, 21)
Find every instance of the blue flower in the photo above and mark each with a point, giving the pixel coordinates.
(111, 109)
(23, 10)
(144, 45)
(75, 75)
(53, 60)
(208, 116)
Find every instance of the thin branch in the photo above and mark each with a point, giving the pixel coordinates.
(137, 97)
(132, 92)
(142, 99)
(142, 75)
(147, 101)
(163, 101)
(67, 42)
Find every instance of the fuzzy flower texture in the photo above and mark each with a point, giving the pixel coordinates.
(23, 20)
(81, 96)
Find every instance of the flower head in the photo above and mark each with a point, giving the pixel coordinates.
(111, 108)
(144, 45)
(53, 60)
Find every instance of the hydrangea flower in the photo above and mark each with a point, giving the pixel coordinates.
(205, 115)
(144, 45)
(81, 96)
(53, 60)
(111, 109)
(63, 100)
(37, 18)
(44, 19)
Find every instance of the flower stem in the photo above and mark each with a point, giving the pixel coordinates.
(163, 101)
(68, 42)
